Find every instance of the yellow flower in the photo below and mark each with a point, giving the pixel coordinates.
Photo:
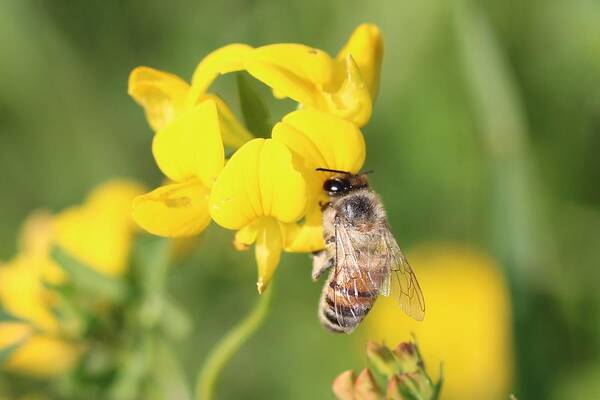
(99, 233)
(268, 185)
(189, 151)
(467, 325)
(259, 192)
(344, 86)
(41, 351)
(318, 140)
(165, 97)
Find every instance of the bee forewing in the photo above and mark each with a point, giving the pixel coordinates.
(385, 288)
(411, 297)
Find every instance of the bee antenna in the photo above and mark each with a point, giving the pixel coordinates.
(333, 170)
(366, 172)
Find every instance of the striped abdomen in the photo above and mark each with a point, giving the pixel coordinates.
(344, 304)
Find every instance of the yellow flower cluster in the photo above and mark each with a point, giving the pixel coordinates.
(268, 186)
(97, 233)
(468, 321)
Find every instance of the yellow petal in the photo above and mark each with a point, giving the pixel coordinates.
(295, 71)
(366, 47)
(234, 133)
(191, 146)
(161, 94)
(282, 186)
(308, 236)
(352, 100)
(259, 180)
(114, 197)
(42, 356)
(174, 210)
(246, 236)
(227, 59)
(99, 233)
(307, 63)
(269, 243)
(96, 238)
(322, 140)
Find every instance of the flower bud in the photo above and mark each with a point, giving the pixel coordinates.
(365, 387)
(408, 356)
(343, 386)
(382, 359)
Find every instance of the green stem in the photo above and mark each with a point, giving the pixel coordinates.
(229, 345)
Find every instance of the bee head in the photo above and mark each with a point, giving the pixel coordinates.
(337, 186)
(344, 182)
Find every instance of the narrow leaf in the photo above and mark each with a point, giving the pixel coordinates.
(254, 109)
(87, 279)
(6, 316)
(437, 388)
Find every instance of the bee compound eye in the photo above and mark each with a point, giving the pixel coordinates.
(333, 186)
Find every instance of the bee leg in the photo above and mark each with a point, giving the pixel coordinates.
(321, 263)
(324, 206)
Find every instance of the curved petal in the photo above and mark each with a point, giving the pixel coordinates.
(246, 236)
(175, 210)
(161, 94)
(295, 71)
(227, 59)
(285, 84)
(352, 100)
(191, 146)
(259, 180)
(269, 243)
(366, 47)
(322, 140)
(234, 133)
(307, 63)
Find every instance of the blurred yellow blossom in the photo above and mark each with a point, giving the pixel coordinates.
(99, 234)
(468, 321)
(258, 193)
(39, 350)
(344, 86)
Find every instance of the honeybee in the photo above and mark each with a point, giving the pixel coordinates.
(362, 254)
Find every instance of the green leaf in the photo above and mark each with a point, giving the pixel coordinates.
(87, 279)
(151, 260)
(437, 388)
(5, 316)
(254, 109)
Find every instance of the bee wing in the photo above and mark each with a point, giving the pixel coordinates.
(411, 297)
(355, 276)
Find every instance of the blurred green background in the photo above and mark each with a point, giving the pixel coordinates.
(486, 132)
